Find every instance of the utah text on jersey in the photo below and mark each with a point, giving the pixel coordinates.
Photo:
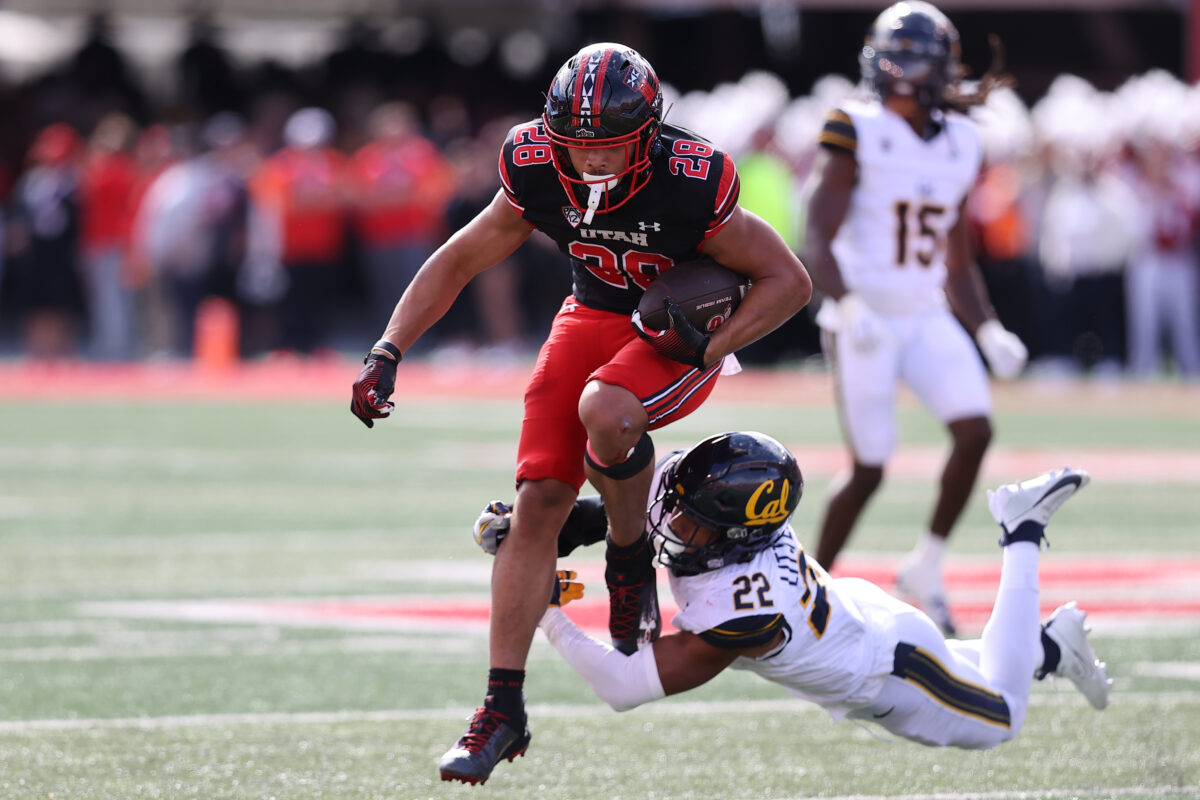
(691, 194)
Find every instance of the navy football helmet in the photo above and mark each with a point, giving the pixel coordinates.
(606, 95)
(912, 48)
(743, 486)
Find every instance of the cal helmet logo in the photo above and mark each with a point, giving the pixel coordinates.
(573, 215)
(768, 504)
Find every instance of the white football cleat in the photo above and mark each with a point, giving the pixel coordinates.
(1034, 500)
(922, 582)
(1078, 661)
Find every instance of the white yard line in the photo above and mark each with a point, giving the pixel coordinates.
(162, 645)
(1037, 794)
(669, 709)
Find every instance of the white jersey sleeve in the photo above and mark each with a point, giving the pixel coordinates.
(891, 247)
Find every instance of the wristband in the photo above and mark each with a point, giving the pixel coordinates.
(385, 348)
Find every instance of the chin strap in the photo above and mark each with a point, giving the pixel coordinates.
(596, 192)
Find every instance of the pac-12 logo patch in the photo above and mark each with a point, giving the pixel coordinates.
(573, 215)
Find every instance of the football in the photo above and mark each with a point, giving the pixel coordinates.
(706, 292)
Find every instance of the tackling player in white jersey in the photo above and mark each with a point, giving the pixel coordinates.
(887, 242)
(751, 599)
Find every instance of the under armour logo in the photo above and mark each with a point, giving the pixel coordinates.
(649, 226)
(925, 189)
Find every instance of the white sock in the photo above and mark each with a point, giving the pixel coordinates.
(1012, 647)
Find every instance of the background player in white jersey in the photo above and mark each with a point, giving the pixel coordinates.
(750, 599)
(887, 243)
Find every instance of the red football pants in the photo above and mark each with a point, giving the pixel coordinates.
(584, 345)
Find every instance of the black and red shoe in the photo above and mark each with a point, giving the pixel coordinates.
(489, 738)
(633, 615)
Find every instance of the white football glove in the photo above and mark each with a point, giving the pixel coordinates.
(1005, 353)
(492, 526)
(865, 330)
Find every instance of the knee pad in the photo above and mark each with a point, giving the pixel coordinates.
(639, 457)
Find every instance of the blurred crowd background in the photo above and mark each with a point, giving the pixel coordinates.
(249, 180)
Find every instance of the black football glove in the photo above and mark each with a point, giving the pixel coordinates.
(681, 342)
(374, 385)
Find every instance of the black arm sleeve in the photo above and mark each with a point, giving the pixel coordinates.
(587, 524)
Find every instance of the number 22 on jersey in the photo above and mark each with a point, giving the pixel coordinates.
(754, 591)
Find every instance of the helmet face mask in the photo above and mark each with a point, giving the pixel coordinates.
(726, 499)
(912, 49)
(605, 96)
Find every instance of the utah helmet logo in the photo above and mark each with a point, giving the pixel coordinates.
(765, 509)
(573, 215)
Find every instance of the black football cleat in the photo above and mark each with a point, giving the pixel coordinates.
(488, 739)
(633, 615)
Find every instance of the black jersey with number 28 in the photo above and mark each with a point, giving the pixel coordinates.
(691, 194)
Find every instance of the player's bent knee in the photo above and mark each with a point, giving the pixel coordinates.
(605, 407)
(640, 456)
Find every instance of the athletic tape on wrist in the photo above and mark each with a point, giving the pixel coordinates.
(386, 348)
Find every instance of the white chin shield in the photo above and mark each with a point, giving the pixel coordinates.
(597, 186)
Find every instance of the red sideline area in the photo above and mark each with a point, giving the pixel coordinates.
(329, 379)
(1142, 590)
(318, 380)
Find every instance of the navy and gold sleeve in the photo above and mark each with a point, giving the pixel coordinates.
(838, 132)
(742, 632)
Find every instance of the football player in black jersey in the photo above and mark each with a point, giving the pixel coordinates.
(625, 196)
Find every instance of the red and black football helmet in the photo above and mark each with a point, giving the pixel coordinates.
(744, 485)
(912, 48)
(606, 95)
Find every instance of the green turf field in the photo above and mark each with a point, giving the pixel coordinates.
(199, 600)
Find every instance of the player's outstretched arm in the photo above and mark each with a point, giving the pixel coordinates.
(483, 242)
(781, 286)
(486, 240)
(673, 664)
